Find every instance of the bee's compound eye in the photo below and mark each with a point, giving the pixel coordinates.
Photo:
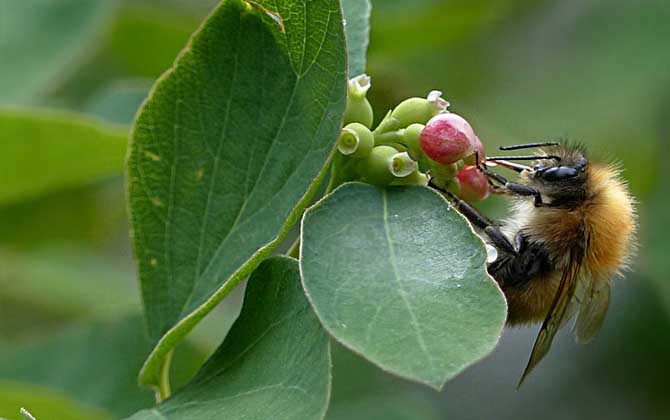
(559, 173)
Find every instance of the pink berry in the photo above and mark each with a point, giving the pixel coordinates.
(474, 185)
(479, 147)
(447, 138)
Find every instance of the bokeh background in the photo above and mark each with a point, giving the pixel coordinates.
(596, 71)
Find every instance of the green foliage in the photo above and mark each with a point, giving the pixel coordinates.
(43, 403)
(44, 151)
(39, 41)
(274, 363)
(398, 276)
(144, 41)
(72, 282)
(261, 86)
(226, 153)
(94, 365)
(119, 101)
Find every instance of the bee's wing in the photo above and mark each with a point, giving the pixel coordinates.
(555, 318)
(592, 310)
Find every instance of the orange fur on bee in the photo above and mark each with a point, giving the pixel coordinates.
(606, 222)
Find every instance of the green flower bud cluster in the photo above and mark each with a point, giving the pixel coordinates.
(391, 154)
(417, 141)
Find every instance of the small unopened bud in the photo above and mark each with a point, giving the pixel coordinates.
(479, 150)
(376, 167)
(415, 178)
(419, 110)
(453, 186)
(411, 137)
(447, 138)
(401, 165)
(474, 184)
(442, 172)
(358, 109)
(356, 141)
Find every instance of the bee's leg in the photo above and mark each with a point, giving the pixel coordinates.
(479, 220)
(517, 189)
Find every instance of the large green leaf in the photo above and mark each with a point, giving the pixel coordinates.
(44, 151)
(398, 276)
(274, 363)
(357, 26)
(227, 152)
(41, 39)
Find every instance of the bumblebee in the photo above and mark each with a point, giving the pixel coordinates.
(571, 230)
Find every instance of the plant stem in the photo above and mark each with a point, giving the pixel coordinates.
(294, 250)
(389, 137)
(163, 390)
(340, 173)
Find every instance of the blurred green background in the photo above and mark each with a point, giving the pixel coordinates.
(596, 71)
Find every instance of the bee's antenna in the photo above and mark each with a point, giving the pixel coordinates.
(558, 158)
(529, 145)
(510, 165)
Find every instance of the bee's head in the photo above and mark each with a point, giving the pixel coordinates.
(562, 176)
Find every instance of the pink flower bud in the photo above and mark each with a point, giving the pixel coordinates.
(479, 147)
(447, 138)
(474, 185)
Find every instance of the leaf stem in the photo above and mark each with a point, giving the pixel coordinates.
(163, 390)
(294, 250)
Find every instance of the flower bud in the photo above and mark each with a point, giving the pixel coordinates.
(442, 172)
(474, 184)
(479, 149)
(453, 186)
(447, 138)
(356, 141)
(415, 178)
(411, 137)
(419, 110)
(358, 109)
(401, 165)
(376, 167)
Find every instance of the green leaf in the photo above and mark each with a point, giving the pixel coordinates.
(41, 40)
(274, 363)
(45, 151)
(43, 403)
(227, 152)
(357, 27)
(398, 276)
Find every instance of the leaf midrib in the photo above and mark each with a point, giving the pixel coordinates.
(401, 290)
(234, 225)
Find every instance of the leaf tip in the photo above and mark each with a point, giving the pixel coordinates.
(273, 15)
